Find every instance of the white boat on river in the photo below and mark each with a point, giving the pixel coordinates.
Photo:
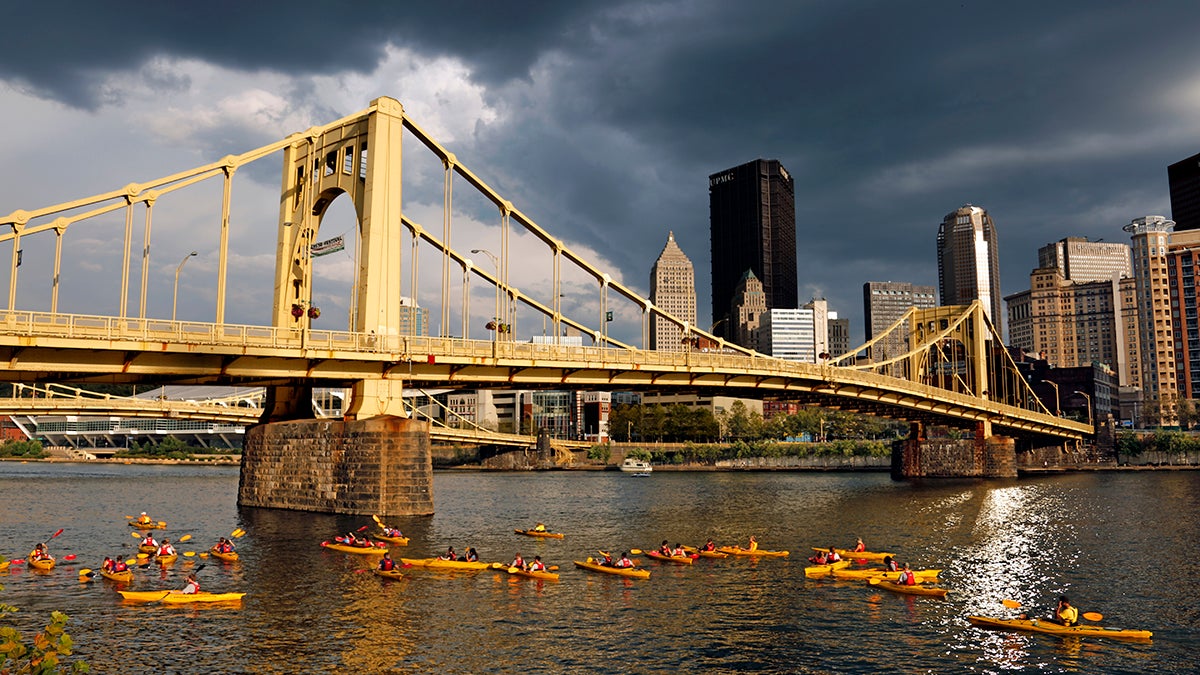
(632, 465)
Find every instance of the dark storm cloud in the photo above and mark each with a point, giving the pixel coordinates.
(60, 53)
(889, 115)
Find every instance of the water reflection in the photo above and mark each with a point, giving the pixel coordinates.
(314, 610)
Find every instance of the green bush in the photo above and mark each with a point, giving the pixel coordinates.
(600, 452)
(27, 449)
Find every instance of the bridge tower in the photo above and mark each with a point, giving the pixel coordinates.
(958, 349)
(376, 459)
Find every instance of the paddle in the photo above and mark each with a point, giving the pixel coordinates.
(1093, 616)
(86, 573)
(1011, 604)
(239, 533)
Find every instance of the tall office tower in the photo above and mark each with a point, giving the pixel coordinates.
(1070, 324)
(968, 266)
(1183, 179)
(673, 290)
(1159, 389)
(839, 336)
(884, 302)
(1081, 260)
(752, 216)
(749, 302)
(796, 334)
(1183, 262)
(788, 334)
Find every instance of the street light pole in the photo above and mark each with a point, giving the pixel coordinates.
(495, 263)
(1057, 402)
(175, 294)
(1089, 406)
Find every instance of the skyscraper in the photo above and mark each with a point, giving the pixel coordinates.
(752, 214)
(968, 265)
(1183, 179)
(749, 303)
(1080, 260)
(884, 302)
(673, 290)
(1150, 235)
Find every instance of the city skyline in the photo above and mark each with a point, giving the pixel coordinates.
(602, 121)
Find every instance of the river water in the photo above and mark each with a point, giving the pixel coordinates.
(309, 610)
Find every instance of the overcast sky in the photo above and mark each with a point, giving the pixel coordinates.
(603, 120)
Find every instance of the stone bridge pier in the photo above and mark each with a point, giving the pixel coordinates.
(379, 465)
(984, 456)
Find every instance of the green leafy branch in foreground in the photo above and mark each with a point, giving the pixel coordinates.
(44, 655)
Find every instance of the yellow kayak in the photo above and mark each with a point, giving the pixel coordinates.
(160, 525)
(884, 575)
(41, 563)
(120, 577)
(632, 572)
(858, 555)
(179, 597)
(738, 550)
(360, 550)
(911, 590)
(816, 571)
(705, 554)
(541, 533)
(232, 556)
(445, 564)
(530, 574)
(167, 559)
(4, 565)
(399, 541)
(1049, 627)
(389, 574)
(146, 548)
(676, 560)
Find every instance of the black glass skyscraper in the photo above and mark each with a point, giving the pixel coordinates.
(752, 215)
(1183, 177)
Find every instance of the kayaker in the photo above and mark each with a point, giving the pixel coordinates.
(166, 548)
(889, 564)
(608, 561)
(678, 551)
(1065, 613)
(472, 555)
(518, 562)
(192, 586)
(449, 554)
(832, 556)
(859, 547)
(664, 550)
(39, 552)
(624, 561)
(907, 577)
(819, 559)
(224, 546)
(119, 565)
(107, 566)
(753, 545)
(148, 540)
(539, 528)
(386, 563)
(537, 565)
(392, 532)
(708, 546)
(144, 519)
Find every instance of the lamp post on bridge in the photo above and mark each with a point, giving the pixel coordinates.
(1089, 406)
(496, 322)
(1057, 402)
(175, 294)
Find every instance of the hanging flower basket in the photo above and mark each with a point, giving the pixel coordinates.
(314, 312)
(297, 311)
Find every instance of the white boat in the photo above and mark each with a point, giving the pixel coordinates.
(637, 466)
